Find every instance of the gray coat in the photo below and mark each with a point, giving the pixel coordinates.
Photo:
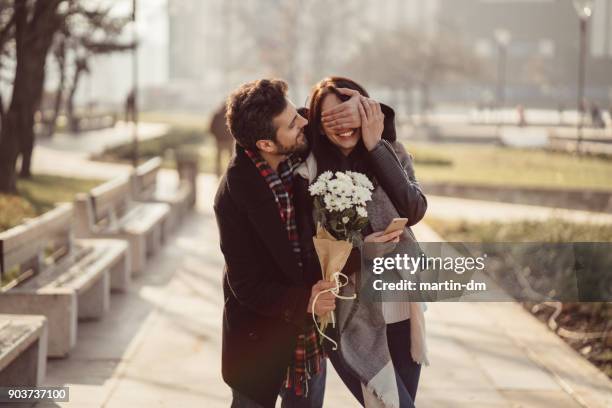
(361, 325)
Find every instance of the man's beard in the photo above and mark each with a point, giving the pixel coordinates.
(297, 147)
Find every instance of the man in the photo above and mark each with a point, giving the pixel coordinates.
(223, 138)
(270, 345)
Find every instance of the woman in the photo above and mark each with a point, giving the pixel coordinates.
(390, 376)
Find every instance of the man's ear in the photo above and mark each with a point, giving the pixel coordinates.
(265, 145)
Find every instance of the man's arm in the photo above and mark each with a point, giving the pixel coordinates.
(250, 284)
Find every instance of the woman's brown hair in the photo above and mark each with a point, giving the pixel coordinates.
(324, 151)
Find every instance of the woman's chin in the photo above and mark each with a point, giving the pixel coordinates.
(347, 147)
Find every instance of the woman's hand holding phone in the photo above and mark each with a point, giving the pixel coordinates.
(384, 240)
(382, 237)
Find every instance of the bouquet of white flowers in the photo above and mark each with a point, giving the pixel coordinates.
(340, 204)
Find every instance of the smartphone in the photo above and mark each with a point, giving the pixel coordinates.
(396, 224)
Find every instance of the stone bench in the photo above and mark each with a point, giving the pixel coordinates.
(47, 272)
(146, 188)
(108, 211)
(23, 350)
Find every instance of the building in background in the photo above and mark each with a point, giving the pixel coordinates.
(543, 47)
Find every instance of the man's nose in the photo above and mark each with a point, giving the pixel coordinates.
(304, 121)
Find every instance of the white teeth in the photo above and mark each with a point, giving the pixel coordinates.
(346, 134)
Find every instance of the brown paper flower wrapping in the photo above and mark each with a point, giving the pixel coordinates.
(332, 254)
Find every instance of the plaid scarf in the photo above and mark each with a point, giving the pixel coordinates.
(308, 354)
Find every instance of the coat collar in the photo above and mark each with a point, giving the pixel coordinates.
(251, 192)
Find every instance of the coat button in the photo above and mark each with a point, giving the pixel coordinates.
(253, 336)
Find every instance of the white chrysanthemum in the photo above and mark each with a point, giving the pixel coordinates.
(340, 187)
(344, 177)
(343, 203)
(345, 220)
(317, 188)
(326, 176)
(361, 211)
(361, 196)
(331, 202)
(361, 180)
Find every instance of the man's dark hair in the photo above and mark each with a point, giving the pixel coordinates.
(251, 109)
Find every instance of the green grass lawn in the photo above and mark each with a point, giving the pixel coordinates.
(496, 165)
(38, 195)
(453, 163)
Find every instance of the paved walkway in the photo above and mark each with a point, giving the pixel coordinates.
(160, 344)
(95, 141)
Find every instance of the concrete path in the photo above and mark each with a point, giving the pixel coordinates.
(95, 141)
(160, 344)
(68, 155)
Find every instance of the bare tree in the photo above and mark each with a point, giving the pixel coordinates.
(59, 55)
(300, 42)
(7, 30)
(273, 28)
(332, 29)
(85, 34)
(404, 58)
(91, 33)
(35, 24)
(31, 25)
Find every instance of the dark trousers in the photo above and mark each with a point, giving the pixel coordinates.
(314, 398)
(407, 372)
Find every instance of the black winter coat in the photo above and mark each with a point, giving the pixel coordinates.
(266, 293)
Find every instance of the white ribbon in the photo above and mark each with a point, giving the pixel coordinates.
(335, 291)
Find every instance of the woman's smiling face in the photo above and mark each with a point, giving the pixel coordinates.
(344, 139)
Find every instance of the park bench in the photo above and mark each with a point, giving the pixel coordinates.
(48, 272)
(146, 188)
(108, 211)
(93, 121)
(23, 350)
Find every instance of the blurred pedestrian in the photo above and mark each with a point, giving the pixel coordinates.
(561, 110)
(130, 107)
(596, 117)
(223, 138)
(520, 110)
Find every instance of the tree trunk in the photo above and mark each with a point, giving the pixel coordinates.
(60, 57)
(32, 42)
(1, 113)
(9, 142)
(9, 147)
(40, 41)
(73, 121)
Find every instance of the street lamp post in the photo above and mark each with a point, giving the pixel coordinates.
(584, 9)
(503, 37)
(135, 153)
